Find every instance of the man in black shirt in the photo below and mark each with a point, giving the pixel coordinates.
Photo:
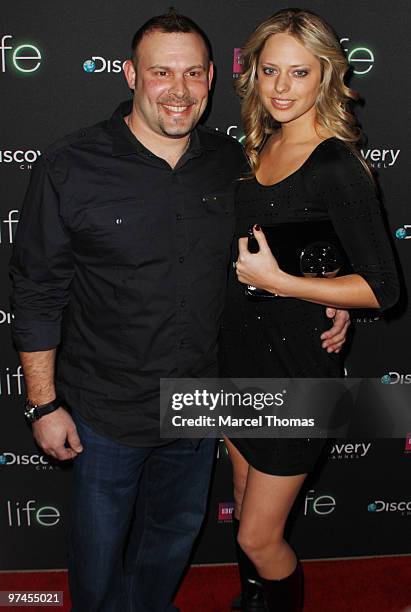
(120, 261)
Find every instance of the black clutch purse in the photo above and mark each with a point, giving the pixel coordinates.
(307, 248)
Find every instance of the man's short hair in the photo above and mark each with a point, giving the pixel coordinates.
(169, 22)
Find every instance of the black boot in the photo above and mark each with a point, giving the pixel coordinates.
(251, 598)
(284, 595)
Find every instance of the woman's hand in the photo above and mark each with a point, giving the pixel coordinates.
(260, 269)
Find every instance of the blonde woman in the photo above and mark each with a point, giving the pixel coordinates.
(301, 144)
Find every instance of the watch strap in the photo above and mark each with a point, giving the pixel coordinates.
(33, 411)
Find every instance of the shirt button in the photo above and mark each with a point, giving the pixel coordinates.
(182, 303)
(181, 259)
(179, 217)
(119, 221)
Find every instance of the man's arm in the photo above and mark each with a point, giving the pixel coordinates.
(52, 431)
(334, 338)
(41, 270)
(38, 370)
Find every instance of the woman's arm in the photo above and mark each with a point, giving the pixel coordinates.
(350, 291)
(261, 270)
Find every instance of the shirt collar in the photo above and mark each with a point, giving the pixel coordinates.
(125, 143)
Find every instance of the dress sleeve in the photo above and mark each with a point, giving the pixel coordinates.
(41, 266)
(349, 194)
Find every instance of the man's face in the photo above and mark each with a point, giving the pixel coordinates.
(171, 82)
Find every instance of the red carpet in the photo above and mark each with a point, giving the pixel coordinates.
(363, 585)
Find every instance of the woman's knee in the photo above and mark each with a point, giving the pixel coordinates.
(256, 543)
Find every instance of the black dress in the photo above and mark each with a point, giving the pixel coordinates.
(280, 338)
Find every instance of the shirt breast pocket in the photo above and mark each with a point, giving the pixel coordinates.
(116, 230)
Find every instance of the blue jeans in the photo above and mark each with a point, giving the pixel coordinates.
(135, 515)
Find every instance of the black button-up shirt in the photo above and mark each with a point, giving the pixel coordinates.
(122, 260)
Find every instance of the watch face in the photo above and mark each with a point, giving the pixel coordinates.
(30, 413)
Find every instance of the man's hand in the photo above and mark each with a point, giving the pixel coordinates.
(334, 338)
(53, 430)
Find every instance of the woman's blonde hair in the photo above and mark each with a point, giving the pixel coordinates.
(333, 112)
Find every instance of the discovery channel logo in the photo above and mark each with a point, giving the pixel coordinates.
(99, 64)
(351, 450)
(403, 506)
(381, 158)
(36, 461)
(6, 317)
(394, 378)
(402, 232)
(19, 157)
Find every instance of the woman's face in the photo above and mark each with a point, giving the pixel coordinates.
(289, 78)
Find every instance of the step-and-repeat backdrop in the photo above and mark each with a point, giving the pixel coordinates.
(60, 69)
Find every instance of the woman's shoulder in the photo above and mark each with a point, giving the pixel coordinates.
(334, 150)
(335, 160)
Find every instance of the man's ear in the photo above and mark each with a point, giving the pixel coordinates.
(130, 73)
(210, 74)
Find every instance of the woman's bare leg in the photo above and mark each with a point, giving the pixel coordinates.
(266, 504)
(251, 596)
